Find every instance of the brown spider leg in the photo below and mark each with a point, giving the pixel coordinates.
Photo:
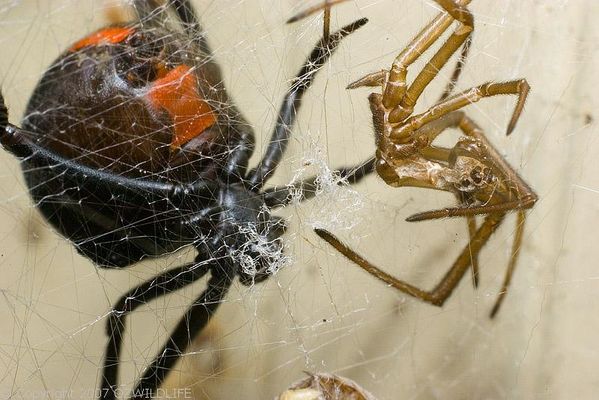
(451, 212)
(396, 96)
(448, 283)
(414, 50)
(326, 26)
(326, 23)
(473, 259)
(512, 263)
(470, 128)
(432, 130)
(313, 10)
(419, 44)
(518, 87)
(375, 79)
(457, 71)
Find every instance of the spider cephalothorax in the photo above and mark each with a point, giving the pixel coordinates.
(132, 148)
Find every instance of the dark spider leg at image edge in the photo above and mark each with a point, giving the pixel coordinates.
(144, 191)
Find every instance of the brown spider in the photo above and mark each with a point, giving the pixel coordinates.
(482, 181)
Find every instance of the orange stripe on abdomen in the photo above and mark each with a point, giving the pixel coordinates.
(177, 93)
(112, 35)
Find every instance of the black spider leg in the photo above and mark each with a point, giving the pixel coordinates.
(282, 196)
(191, 23)
(3, 114)
(240, 151)
(165, 283)
(291, 104)
(15, 140)
(193, 322)
(242, 147)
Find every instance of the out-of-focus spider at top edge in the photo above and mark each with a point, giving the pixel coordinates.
(132, 148)
(482, 181)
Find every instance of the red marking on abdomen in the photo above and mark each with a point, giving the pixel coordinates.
(111, 35)
(177, 93)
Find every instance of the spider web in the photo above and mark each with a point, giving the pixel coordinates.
(320, 313)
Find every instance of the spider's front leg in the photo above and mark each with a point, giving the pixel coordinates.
(399, 99)
(448, 283)
(291, 103)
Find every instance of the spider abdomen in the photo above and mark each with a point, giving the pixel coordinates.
(129, 101)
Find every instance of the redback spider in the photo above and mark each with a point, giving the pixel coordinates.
(132, 148)
(481, 180)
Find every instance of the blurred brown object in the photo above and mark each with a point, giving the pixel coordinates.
(325, 387)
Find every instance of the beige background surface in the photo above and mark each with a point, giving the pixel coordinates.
(322, 313)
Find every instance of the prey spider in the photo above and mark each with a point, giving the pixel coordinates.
(482, 181)
(132, 148)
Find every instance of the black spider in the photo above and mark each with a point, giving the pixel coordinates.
(131, 148)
